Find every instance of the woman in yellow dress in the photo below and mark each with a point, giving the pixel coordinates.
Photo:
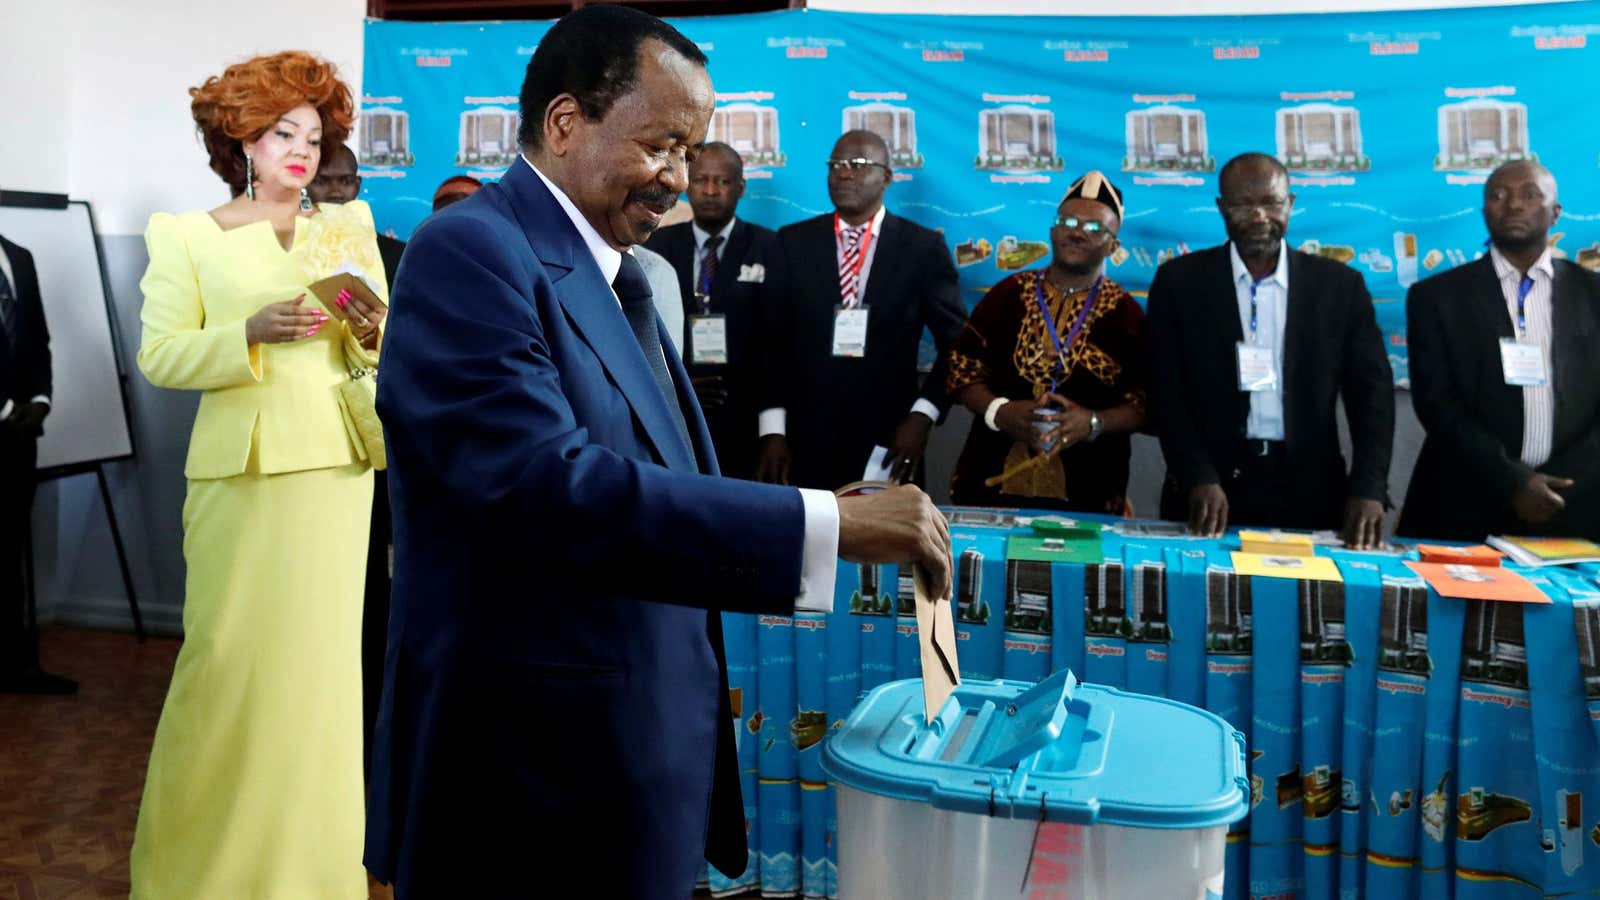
(254, 790)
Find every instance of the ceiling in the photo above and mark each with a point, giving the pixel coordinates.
(478, 10)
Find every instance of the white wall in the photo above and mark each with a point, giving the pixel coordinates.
(94, 92)
(1144, 7)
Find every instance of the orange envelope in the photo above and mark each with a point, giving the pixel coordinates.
(1477, 555)
(1478, 582)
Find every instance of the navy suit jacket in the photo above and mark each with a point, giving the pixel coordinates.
(554, 685)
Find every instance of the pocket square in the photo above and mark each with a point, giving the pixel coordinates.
(756, 272)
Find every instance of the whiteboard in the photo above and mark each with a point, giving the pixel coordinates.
(88, 420)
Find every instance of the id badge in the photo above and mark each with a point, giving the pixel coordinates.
(1522, 363)
(708, 340)
(850, 331)
(1258, 370)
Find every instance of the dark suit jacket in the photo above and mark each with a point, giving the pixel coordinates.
(555, 683)
(1470, 463)
(753, 309)
(1332, 348)
(25, 358)
(840, 408)
(389, 250)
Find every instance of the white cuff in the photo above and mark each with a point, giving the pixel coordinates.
(820, 557)
(42, 399)
(772, 421)
(928, 409)
(5, 411)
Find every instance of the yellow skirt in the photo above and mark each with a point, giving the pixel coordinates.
(254, 790)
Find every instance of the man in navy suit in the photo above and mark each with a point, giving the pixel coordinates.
(555, 718)
(730, 273)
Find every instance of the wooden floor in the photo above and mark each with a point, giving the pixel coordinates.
(72, 768)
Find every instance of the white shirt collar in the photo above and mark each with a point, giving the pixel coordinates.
(607, 257)
(701, 235)
(11, 275)
(1241, 272)
(877, 220)
(1504, 269)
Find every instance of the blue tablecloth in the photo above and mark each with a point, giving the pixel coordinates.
(1402, 745)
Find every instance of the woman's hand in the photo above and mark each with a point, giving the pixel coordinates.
(364, 317)
(280, 323)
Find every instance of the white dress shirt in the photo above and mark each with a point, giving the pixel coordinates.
(821, 548)
(1538, 403)
(775, 420)
(1265, 422)
(11, 279)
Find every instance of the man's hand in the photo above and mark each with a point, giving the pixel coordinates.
(772, 464)
(899, 525)
(910, 442)
(1018, 421)
(27, 420)
(1539, 498)
(712, 391)
(1208, 510)
(1363, 523)
(1074, 421)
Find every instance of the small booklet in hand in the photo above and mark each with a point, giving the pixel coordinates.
(348, 277)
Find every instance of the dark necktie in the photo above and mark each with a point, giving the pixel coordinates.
(8, 311)
(633, 289)
(708, 263)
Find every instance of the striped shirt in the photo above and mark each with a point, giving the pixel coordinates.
(1538, 403)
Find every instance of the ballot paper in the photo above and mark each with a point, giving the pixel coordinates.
(936, 632)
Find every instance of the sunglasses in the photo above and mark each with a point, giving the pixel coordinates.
(856, 164)
(1087, 226)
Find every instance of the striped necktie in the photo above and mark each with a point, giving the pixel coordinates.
(850, 266)
(708, 264)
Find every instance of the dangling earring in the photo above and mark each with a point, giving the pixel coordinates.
(305, 200)
(249, 178)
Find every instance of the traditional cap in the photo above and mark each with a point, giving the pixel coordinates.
(1094, 186)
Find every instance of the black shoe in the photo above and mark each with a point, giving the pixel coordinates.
(32, 680)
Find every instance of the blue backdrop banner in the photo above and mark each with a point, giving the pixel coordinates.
(1388, 122)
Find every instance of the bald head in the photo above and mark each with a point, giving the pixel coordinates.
(858, 174)
(1519, 207)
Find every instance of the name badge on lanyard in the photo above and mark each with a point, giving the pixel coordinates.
(850, 331)
(1257, 365)
(708, 340)
(1522, 360)
(850, 318)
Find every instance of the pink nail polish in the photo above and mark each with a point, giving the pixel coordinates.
(341, 302)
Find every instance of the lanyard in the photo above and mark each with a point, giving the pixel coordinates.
(1077, 325)
(1523, 290)
(1255, 285)
(861, 259)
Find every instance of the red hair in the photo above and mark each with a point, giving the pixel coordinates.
(250, 97)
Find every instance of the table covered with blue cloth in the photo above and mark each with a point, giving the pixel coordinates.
(1402, 744)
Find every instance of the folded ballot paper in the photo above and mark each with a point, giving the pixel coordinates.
(348, 277)
(1275, 543)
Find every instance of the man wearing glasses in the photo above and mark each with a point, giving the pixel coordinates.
(1253, 343)
(863, 284)
(1055, 368)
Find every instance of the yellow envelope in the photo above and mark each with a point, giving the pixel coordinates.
(1303, 568)
(1274, 543)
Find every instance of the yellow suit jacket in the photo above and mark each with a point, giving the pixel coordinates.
(277, 400)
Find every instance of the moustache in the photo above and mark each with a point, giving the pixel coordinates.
(658, 197)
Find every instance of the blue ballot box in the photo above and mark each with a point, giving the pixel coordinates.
(1052, 790)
